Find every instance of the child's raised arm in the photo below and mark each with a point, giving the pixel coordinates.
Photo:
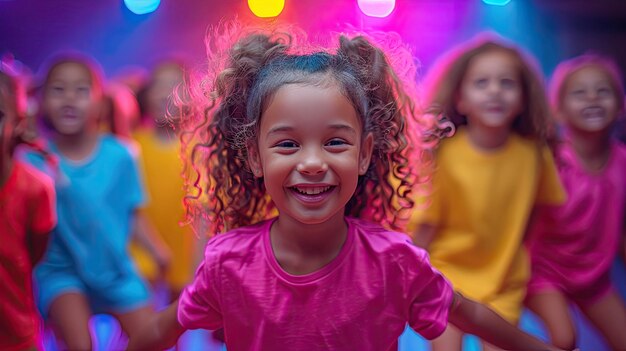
(160, 332)
(477, 319)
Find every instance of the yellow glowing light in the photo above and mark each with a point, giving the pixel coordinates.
(266, 8)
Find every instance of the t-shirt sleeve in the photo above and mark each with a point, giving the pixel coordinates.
(132, 184)
(198, 305)
(431, 295)
(43, 207)
(550, 190)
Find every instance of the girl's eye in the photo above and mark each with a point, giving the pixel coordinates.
(287, 144)
(604, 92)
(481, 83)
(336, 142)
(509, 83)
(83, 90)
(578, 92)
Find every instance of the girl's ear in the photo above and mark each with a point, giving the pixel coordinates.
(365, 156)
(254, 160)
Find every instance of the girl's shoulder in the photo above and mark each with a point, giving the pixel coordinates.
(240, 237)
(118, 148)
(377, 236)
(619, 148)
(27, 180)
(394, 249)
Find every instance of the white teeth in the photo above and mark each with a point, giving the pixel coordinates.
(312, 190)
(593, 112)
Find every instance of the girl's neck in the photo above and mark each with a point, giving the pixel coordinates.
(303, 248)
(78, 146)
(488, 138)
(592, 149)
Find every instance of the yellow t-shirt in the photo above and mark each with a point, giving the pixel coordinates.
(162, 165)
(480, 204)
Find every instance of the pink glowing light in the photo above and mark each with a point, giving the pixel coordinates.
(377, 8)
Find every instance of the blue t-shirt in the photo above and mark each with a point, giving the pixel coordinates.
(96, 200)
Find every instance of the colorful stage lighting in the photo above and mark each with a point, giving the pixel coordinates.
(497, 2)
(377, 8)
(266, 8)
(142, 7)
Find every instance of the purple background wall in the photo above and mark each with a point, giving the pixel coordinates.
(549, 29)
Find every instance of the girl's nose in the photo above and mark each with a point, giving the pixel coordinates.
(592, 95)
(69, 95)
(312, 163)
(492, 88)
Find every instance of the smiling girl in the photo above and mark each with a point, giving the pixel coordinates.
(324, 136)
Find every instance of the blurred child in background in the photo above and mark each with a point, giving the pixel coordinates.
(27, 215)
(159, 140)
(86, 268)
(573, 246)
(489, 176)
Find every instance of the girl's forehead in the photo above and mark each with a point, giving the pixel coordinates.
(589, 72)
(70, 71)
(494, 59)
(308, 105)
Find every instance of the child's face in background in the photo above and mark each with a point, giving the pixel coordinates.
(589, 102)
(164, 81)
(69, 100)
(491, 93)
(310, 152)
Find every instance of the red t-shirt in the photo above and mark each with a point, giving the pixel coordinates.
(27, 205)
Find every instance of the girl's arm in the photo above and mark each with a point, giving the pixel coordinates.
(424, 234)
(145, 234)
(477, 319)
(159, 333)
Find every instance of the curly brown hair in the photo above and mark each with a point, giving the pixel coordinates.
(233, 100)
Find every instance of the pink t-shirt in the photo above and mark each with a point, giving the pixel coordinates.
(572, 246)
(362, 300)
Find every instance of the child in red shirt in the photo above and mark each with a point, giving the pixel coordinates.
(27, 215)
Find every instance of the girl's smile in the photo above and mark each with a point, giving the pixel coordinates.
(311, 193)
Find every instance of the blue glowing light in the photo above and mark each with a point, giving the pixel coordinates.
(497, 2)
(142, 7)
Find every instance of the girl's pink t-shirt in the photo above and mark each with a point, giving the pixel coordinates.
(362, 300)
(573, 246)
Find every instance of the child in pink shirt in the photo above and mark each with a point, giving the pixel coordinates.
(326, 138)
(573, 246)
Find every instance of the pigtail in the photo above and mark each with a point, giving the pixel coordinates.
(224, 190)
(390, 178)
